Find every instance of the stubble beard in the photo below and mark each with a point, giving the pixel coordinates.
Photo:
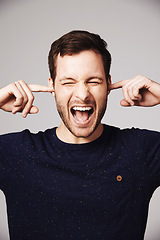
(66, 120)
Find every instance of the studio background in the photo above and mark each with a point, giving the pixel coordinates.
(131, 29)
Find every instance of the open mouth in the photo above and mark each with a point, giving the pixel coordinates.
(82, 114)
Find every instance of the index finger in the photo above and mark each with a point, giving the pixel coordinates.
(117, 85)
(40, 88)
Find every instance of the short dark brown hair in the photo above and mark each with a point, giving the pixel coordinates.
(75, 42)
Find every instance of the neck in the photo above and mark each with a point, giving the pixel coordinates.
(66, 136)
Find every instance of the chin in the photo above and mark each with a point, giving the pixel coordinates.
(81, 132)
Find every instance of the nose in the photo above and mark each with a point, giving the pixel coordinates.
(82, 92)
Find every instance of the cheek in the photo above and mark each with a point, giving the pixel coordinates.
(100, 97)
(62, 98)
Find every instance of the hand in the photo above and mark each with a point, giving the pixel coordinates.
(139, 91)
(18, 97)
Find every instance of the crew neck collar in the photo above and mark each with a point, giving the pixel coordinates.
(84, 146)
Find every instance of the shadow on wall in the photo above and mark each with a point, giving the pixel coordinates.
(4, 2)
(152, 2)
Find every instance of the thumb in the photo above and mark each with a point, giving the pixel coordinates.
(124, 103)
(34, 110)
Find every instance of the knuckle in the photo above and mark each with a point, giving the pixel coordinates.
(135, 89)
(21, 81)
(139, 76)
(13, 85)
(25, 99)
(130, 87)
(124, 87)
(135, 94)
(20, 97)
(149, 80)
(31, 98)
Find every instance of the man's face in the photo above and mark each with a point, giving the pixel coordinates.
(80, 92)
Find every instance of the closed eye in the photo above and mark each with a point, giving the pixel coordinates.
(94, 82)
(68, 83)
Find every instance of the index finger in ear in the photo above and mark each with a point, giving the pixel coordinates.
(40, 88)
(117, 85)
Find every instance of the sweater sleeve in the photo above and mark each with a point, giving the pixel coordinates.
(143, 147)
(10, 148)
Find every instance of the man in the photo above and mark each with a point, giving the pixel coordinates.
(82, 180)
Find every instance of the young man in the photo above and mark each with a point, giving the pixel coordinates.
(82, 180)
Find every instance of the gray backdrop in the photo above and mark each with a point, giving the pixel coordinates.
(131, 28)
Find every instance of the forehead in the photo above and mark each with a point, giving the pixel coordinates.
(85, 62)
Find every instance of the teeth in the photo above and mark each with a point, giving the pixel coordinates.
(82, 108)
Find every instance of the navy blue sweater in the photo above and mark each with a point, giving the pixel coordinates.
(95, 191)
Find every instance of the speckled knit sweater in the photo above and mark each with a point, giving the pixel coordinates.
(95, 191)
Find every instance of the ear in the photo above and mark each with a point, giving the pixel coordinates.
(109, 82)
(51, 84)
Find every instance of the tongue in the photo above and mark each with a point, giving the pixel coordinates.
(81, 116)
